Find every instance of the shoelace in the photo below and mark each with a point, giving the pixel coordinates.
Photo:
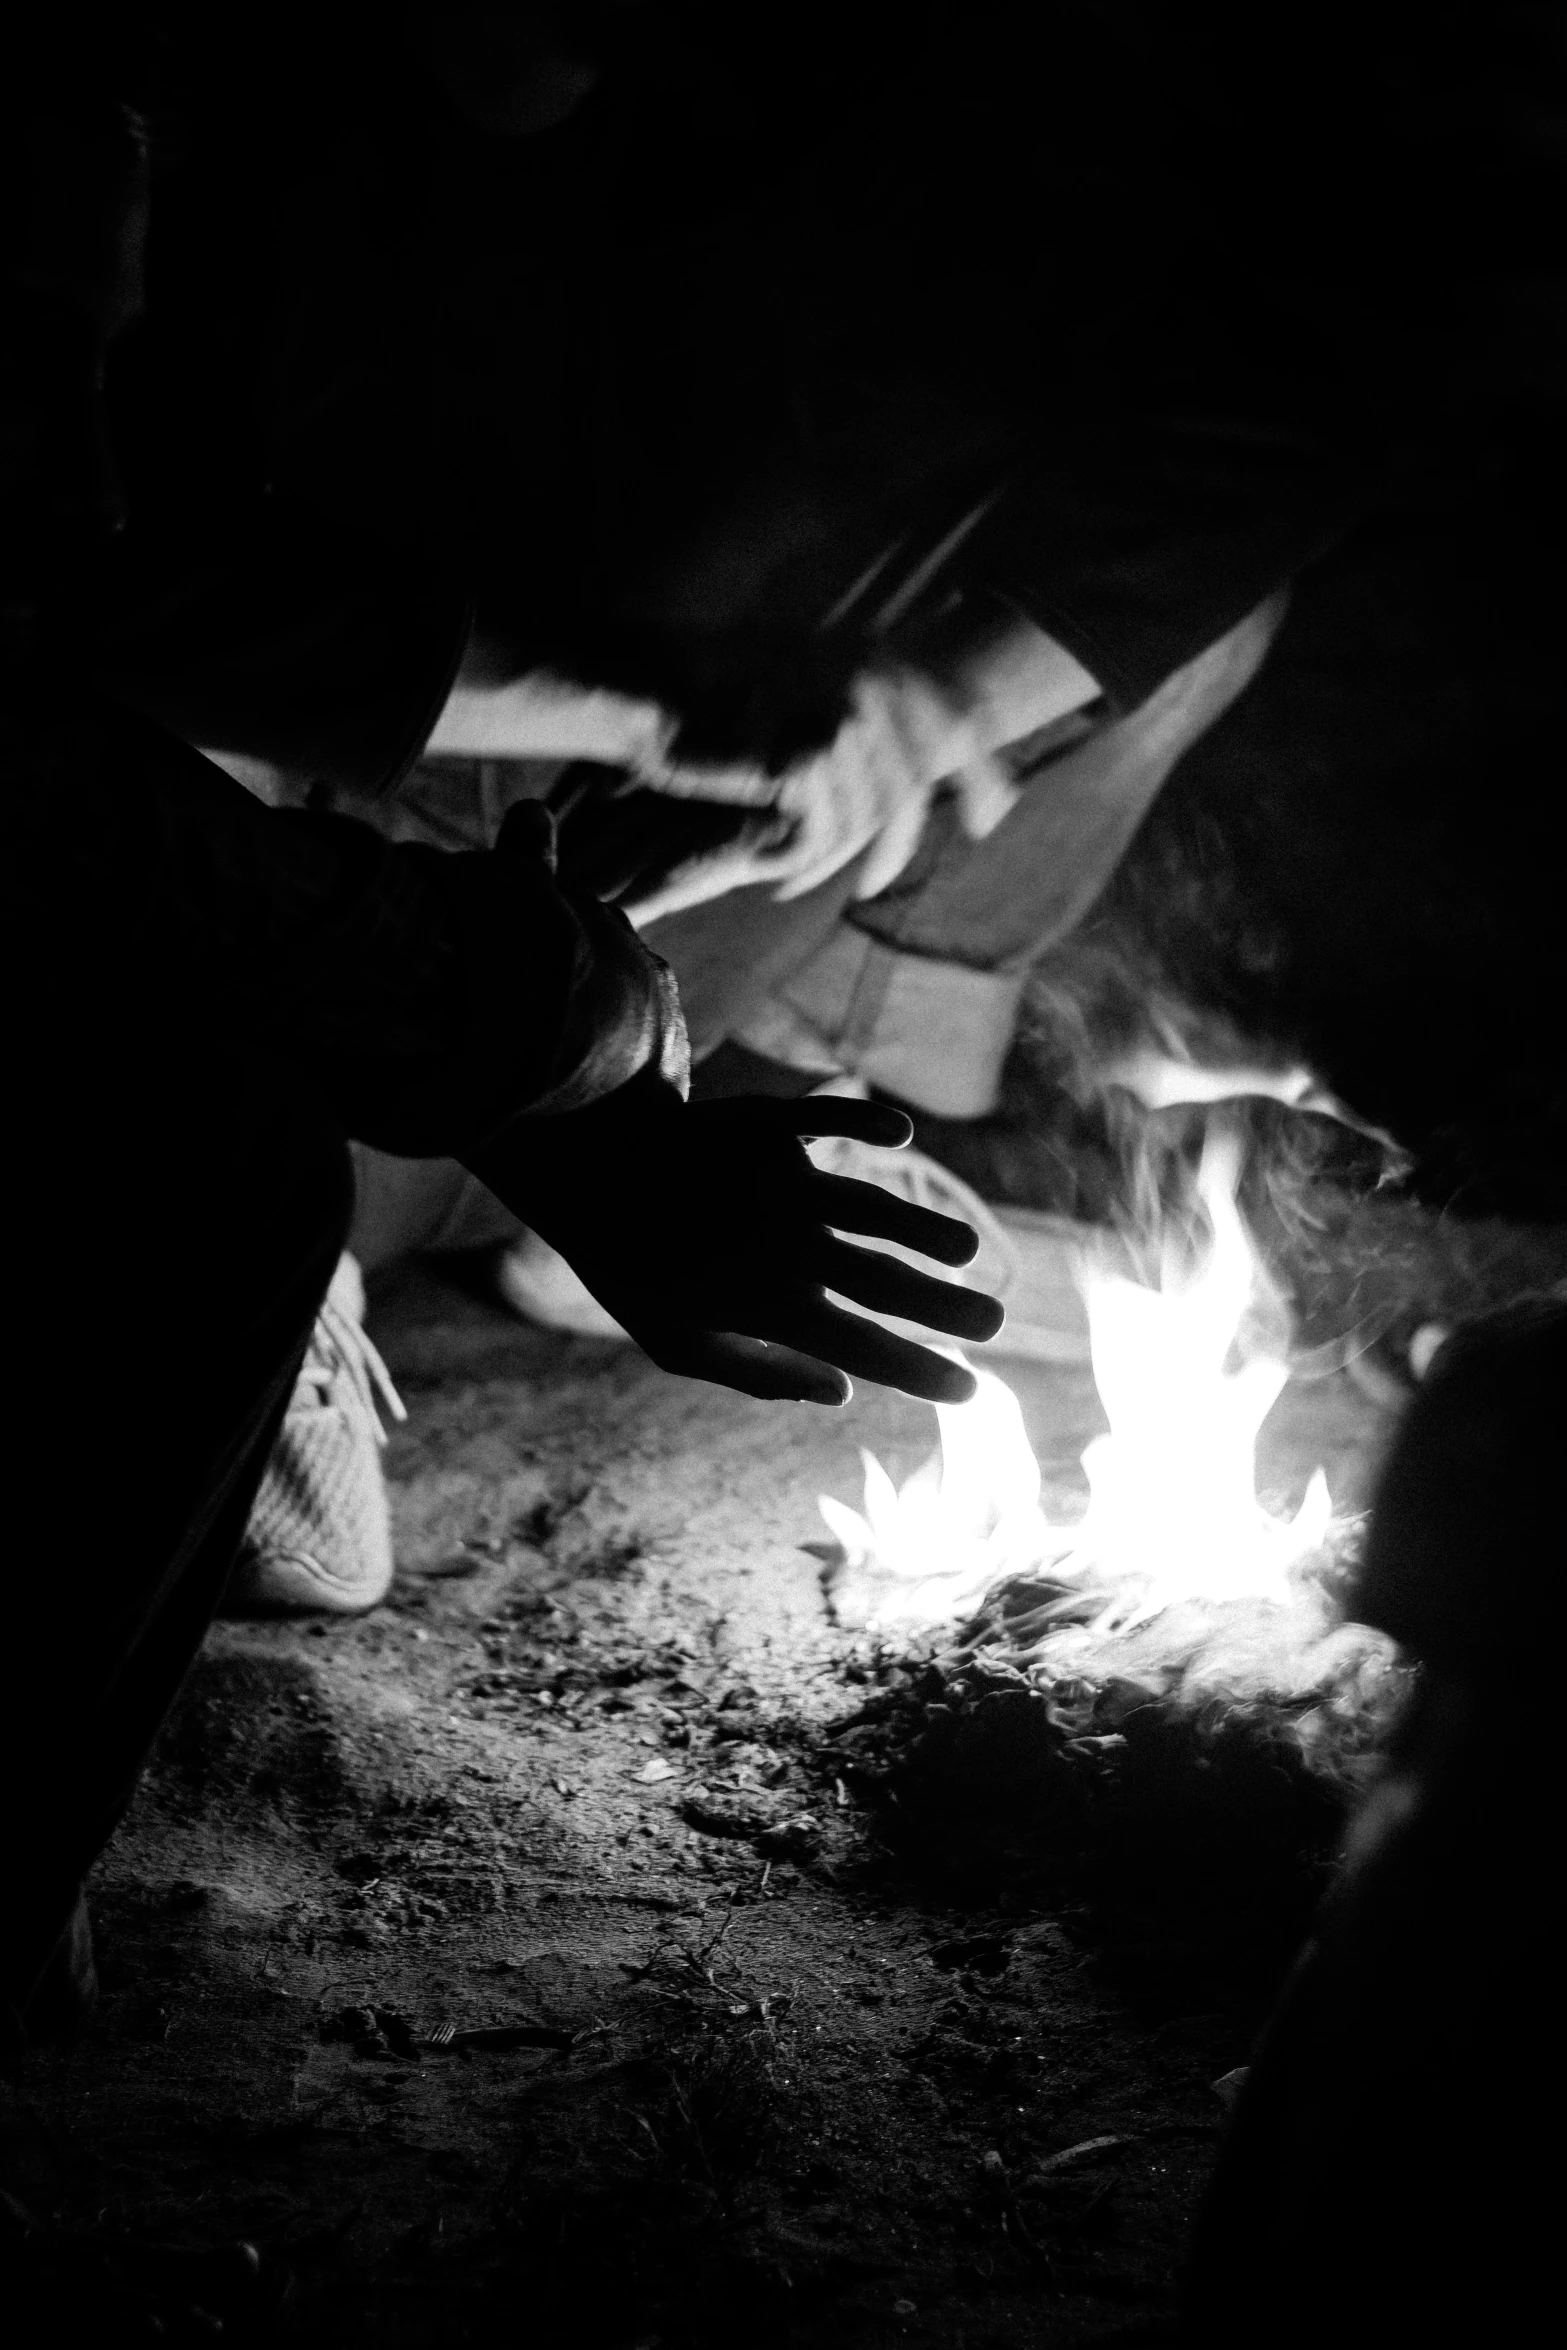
(346, 1345)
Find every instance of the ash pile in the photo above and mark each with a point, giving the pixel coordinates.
(1211, 1743)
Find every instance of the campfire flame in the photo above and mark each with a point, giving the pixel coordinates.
(1187, 1370)
(966, 1518)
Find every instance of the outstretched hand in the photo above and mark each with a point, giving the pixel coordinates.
(710, 1236)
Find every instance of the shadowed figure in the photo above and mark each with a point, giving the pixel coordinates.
(1384, 2179)
(212, 997)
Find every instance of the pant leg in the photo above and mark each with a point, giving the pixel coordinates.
(918, 988)
(195, 1205)
(732, 954)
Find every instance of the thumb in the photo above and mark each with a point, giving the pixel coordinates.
(892, 849)
(527, 835)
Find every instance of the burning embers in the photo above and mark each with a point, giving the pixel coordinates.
(1175, 1577)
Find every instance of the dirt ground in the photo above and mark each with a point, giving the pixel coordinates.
(521, 1962)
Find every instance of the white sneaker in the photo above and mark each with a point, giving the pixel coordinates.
(320, 1537)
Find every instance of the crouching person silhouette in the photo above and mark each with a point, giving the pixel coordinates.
(208, 998)
(217, 996)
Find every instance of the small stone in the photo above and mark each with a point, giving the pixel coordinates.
(797, 1839)
(719, 1813)
(1229, 2085)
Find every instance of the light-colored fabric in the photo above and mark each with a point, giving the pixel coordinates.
(1002, 901)
(931, 1032)
(545, 717)
(867, 795)
(868, 791)
(919, 994)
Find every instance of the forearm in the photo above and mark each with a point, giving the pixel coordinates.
(431, 998)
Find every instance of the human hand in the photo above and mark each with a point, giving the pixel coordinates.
(907, 733)
(870, 789)
(711, 1238)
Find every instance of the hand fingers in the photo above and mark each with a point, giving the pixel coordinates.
(817, 1113)
(840, 802)
(888, 1286)
(834, 1113)
(751, 1366)
(849, 1205)
(866, 1351)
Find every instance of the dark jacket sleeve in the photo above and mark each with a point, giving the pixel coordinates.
(272, 634)
(430, 998)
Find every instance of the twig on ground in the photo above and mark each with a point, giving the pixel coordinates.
(1014, 2226)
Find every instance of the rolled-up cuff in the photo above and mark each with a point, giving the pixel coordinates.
(931, 1032)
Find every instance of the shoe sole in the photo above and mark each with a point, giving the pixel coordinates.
(275, 1585)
